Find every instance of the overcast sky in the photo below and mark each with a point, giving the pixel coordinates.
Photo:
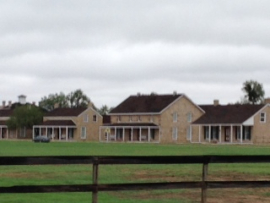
(115, 48)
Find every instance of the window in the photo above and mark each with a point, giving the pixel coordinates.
(175, 117)
(95, 118)
(174, 133)
(263, 117)
(189, 131)
(83, 133)
(247, 133)
(85, 118)
(189, 117)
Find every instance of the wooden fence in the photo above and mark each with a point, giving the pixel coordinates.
(96, 161)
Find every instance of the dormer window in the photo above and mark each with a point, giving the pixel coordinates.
(263, 117)
(152, 119)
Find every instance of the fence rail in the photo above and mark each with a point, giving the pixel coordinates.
(96, 161)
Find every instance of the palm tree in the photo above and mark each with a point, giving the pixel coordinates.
(253, 91)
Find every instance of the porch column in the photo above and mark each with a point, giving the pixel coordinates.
(60, 133)
(219, 133)
(123, 134)
(159, 133)
(241, 133)
(200, 133)
(40, 131)
(66, 133)
(209, 135)
(52, 133)
(191, 132)
(33, 132)
(46, 131)
(115, 134)
(108, 135)
(231, 133)
(1, 135)
(140, 134)
(148, 134)
(131, 134)
(7, 133)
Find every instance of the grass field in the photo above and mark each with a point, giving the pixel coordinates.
(81, 174)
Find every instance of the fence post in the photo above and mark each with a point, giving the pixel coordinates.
(95, 181)
(204, 186)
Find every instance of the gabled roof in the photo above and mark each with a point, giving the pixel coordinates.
(65, 112)
(145, 104)
(227, 114)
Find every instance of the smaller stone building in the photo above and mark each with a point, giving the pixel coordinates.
(66, 124)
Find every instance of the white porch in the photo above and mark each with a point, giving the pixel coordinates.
(61, 133)
(223, 134)
(130, 133)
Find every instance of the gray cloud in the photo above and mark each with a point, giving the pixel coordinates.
(111, 49)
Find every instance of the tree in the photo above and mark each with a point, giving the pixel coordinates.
(254, 92)
(74, 99)
(78, 99)
(104, 110)
(25, 116)
(52, 100)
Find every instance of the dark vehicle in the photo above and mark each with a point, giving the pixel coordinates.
(41, 138)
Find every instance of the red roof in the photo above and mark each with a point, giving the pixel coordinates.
(58, 123)
(60, 112)
(227, 114)
(145, 104)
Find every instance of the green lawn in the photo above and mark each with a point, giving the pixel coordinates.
(81, 174)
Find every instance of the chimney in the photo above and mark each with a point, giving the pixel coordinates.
(22, 99)
(267, 100)
(3, 104)
(90, 104)
(216, 102)
(138, 94)
(174, 93)
(9, 103)
(34, 103)
(56, 105)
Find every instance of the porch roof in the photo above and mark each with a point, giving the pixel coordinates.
(227, 114)
(58, 123)
(6, 112)
(132, 124)
(3, 122)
